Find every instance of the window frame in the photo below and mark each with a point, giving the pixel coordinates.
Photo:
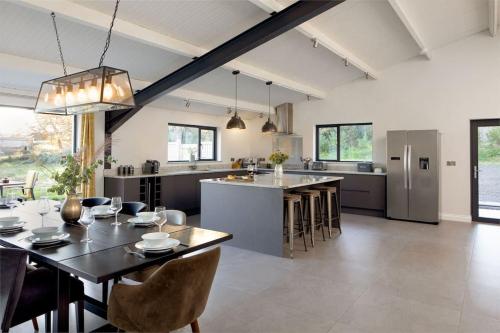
(200, 128)
(338, 126)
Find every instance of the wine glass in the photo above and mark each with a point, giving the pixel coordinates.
(86, 219)
(10, 200)
(162, 214)
(116, 206)
(43, 208)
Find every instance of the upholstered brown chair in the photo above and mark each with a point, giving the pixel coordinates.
(29, 184)
(174, 296)
(26, 293)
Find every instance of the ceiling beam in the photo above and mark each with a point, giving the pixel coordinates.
(50, 70)
(93, 18)
(493, 17)
(410, 26)
(289, 18)
(307, 29)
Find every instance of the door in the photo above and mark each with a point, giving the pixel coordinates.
(485, 170)
(423, 180)
(397, 187)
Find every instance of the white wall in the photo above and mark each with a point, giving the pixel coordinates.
(145, 136)
(461, 82)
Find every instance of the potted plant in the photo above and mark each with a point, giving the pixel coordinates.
(69, 179)
(278, 158)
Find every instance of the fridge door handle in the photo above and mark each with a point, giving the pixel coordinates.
(409, 167)
(405, 166)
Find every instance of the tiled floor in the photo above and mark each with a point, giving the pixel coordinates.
(378, 276)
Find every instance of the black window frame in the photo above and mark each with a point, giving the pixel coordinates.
(200, 128)
(337, 126)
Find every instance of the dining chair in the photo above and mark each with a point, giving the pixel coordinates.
(133, 207)
(29, 184)
(29, 293)
(176, 217)
(173, 297)
(95, 201)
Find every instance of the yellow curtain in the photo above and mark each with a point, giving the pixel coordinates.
(87, 150)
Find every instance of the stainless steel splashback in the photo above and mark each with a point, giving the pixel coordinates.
(291, 145)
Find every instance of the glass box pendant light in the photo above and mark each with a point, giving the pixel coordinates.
(99, 89)
(236, 122)
(269, 126)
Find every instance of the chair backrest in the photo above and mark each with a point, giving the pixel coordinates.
(12, 272)
(172, 297)
(176, 217)
(133, 207)
(95, 201)
(31, 179)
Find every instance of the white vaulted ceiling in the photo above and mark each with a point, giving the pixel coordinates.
(154, 38)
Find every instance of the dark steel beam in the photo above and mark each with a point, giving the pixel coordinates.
(277, 24)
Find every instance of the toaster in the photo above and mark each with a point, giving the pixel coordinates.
(318, 166)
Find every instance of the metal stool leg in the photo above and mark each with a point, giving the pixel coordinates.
(312, 218)
(290, 226)
(329, 211)
(337, 212)
(301, 224)
(321, 217)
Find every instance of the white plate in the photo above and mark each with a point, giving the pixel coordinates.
(11, 231)
(169, 244)
(17, 225)
(139, 221)
(104, 216)
(54, 239)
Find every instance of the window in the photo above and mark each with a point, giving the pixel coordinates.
(344, 142)
(184, 140)
(30, 141)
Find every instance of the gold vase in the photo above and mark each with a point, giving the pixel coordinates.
(71, 209)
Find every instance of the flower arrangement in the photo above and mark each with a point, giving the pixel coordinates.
(278, 157)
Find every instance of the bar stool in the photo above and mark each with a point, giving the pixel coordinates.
(291, 203)
(329, 193)
(312, 198)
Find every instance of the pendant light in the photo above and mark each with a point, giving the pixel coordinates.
(99, 89)
(236, 122)
(269, 126)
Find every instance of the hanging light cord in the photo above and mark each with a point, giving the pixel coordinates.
(58, 43)
(236, 96)
(108, 39)
(269, 104)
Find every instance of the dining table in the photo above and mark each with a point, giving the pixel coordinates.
(102, 260)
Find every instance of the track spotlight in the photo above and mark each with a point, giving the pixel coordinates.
(315, 42)
(346, 62)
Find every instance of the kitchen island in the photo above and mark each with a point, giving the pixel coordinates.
(253, 210)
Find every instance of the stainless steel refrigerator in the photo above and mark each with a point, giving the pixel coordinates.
(413, 175)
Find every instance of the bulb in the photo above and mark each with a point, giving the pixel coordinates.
(93, 92)
(108, 92)
(70, 96)
(119, 90)
(46, 97)
(58, 99)
(82, 93)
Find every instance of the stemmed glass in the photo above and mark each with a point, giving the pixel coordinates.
(86, 219)
(162, 214)
(116, 206)
(43, 208)
(11, 201)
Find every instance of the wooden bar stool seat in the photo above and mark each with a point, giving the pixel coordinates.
(329, 195)
(293, 202)
(312, 198)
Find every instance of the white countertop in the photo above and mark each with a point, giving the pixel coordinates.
(286, 182)
(329, 171)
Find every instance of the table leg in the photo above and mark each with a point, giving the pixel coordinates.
(61, 320)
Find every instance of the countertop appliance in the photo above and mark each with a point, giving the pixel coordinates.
(151, 167)
(365, 166)
(413, 175)
(318, 165)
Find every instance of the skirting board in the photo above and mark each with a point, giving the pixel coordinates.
(456, 218)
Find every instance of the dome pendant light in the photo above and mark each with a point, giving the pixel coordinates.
(269, 126)
(236, 122)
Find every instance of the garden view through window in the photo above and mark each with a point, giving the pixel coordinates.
(30, 141)
(344, 142)
(187, 140)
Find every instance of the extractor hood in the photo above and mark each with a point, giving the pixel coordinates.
(284, 118)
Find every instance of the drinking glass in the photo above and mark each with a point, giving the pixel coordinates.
(162, 214)
(86, 219)
(250, 169)
(116, 206)
(10, 200)
(43, 208)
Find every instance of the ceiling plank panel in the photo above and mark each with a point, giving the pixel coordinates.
(493, 17)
